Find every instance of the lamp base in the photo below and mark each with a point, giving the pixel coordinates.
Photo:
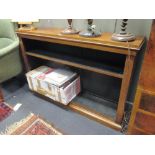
(123, 37)
(69, 31)
(27, 28)
(89, 34)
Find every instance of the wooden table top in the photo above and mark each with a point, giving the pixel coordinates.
(103, 40)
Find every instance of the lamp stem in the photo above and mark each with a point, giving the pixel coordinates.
(69, 23)
(124, 26)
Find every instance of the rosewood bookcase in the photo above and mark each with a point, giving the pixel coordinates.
(35, 44)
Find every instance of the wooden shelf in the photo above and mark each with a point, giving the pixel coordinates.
(103, 43)
(78, 63)
(92, 114)
(137, 130)
(88, 104)
(146, 112)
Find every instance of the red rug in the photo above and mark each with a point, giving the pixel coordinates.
(32, 125)
(5, 111)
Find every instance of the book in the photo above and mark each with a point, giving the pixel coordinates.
(60, 76)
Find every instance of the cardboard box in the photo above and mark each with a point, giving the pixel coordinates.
(61, 85)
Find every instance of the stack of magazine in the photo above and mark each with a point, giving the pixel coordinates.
(61, 84)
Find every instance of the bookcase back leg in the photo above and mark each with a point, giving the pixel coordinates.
(24, 57)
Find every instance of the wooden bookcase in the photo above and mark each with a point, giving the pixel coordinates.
(142, 119)
(93, 61)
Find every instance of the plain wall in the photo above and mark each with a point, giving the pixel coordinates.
(136, 26)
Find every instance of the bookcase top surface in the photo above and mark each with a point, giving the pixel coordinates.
(103, 40)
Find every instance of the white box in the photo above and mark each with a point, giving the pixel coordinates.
(60, 85)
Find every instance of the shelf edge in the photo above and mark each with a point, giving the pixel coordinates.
(95, 116)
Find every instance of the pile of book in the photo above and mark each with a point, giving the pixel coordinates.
(61, 85)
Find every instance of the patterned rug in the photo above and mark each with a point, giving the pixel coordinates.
(32, 125)
(5, 111)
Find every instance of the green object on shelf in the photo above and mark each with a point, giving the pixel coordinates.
(10, 63)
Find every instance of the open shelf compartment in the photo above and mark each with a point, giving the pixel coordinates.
(96, 104)
(101, 62)
(78, 63)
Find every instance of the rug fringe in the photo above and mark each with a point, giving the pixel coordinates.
(13, 127)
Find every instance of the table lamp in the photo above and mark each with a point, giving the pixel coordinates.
(123, 35)
(25, 24)
(90, 32)
(69, 29)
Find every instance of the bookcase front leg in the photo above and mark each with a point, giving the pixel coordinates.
(24, 56)
(124, 87)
